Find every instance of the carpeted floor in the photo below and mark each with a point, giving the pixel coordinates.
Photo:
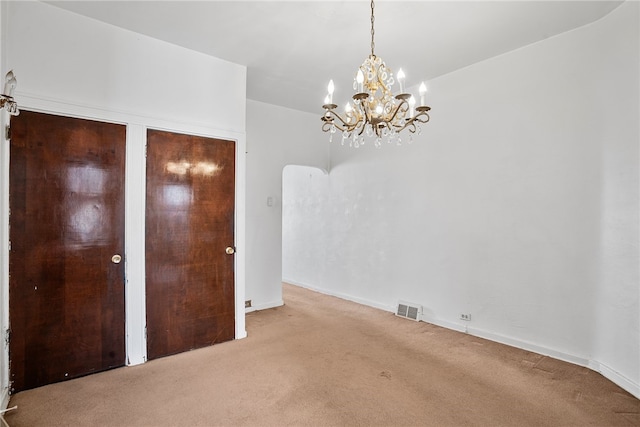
(324, 361)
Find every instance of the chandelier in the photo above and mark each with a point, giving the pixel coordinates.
(375, 112)
(6, 97)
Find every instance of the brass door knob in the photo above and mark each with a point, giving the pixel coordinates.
(230, 250)
(116, 259)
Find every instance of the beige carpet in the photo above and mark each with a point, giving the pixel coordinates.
(324, 361)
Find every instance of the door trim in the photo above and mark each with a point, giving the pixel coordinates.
(4, 259)
(135, 306)
(135, 314)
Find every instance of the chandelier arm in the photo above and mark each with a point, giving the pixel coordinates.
(367, 119)
(422, 117)
(362, 128)
(411, 125)
(326, 126)
(400, 128)
(395, 113)
(378, 128)
(329, 121)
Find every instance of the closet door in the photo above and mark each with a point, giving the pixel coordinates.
(66, 286)
(190, 242)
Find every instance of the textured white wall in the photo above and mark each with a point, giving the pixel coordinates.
(269, 150)
(617, 343)
(518, 204)
(71, 65)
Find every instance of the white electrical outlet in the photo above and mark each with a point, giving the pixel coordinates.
(466, 317)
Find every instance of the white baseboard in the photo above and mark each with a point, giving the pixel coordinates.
(525, 345)
(443, 323)
(264, 306)
(342, 296)
(594, 365)
(615, 377)
(607, 372)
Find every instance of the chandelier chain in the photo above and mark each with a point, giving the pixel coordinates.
(373, 32)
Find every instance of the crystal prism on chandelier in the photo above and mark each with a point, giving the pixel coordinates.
(375, 112)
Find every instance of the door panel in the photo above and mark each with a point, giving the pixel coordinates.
(66, 297)
(189, 224)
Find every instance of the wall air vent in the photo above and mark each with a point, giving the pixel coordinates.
(409, 310)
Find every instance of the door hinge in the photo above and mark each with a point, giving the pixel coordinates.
(7, 133)
(7, 336)
(9, 245)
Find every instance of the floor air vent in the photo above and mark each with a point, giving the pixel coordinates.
(408, 310)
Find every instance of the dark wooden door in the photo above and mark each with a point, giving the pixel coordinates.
(66, 296)
(190, 223)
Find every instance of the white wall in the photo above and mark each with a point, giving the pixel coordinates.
(617, 338)
(518, 204)
(270, 149)
(71, 65)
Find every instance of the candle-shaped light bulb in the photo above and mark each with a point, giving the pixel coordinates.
(401, 80)
(327, 101)
(423, 92)
(10, 84)
(330, 89)
(412, 104)
(360, 80)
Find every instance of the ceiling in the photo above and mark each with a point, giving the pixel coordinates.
(292, 48)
